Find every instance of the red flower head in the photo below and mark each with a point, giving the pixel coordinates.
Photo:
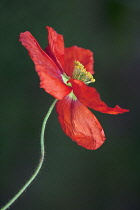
(65, 74)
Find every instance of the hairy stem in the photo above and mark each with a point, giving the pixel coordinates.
(40, 162)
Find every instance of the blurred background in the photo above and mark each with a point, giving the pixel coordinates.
(72, 177)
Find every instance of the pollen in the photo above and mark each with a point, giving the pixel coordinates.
(81, 73)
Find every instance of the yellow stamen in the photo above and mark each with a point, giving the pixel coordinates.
(81, 73)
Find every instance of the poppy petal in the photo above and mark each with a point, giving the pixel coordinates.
(91, 98)
(55, 48)
(79, 123)
(49, 73)
(82, 55)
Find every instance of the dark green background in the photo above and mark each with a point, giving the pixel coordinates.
(72, 177)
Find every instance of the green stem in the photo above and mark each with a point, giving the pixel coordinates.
(40, 162)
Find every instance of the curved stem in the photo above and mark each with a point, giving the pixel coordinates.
(40, 162)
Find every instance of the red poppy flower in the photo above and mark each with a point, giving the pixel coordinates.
(65, 74)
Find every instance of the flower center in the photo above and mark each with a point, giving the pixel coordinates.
(81, 73)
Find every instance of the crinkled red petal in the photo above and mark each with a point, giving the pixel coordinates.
(82, 55)
(79, 123)
(91, 98)
(49, 73)
(55, 48)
